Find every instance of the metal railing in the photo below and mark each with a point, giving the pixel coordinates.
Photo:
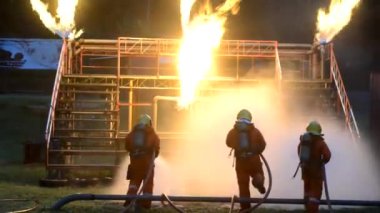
(170, 47)
(60, 71)
(346, 106)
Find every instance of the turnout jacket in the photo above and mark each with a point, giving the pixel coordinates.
(249, 157)
(319, 154)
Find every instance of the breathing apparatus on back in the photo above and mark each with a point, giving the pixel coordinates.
(243, 124)
(140, 145)
(313, 129)
(305, 148)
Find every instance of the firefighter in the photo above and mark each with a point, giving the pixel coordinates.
(314, 154)
(143, 145)
(247, 142)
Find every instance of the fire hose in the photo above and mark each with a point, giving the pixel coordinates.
(266, 194)
(150, 170)
(36, 204)
(325, 185)
(326, 188)
(171, 203)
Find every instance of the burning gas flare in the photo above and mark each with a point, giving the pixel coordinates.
(202, 35)
(339, 15)
(63, 23)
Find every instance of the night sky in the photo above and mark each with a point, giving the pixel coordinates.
(288, 21)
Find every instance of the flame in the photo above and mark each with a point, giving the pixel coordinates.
(329, 24)
(202, 35)
(65, 26)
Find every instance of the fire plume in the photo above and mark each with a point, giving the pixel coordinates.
(63, 23)
(202, 34)
(331, 22)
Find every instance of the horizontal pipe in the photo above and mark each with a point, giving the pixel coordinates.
(98, 41)
(75, 197)
(294, 45)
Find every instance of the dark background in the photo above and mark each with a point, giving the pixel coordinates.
(288, 21)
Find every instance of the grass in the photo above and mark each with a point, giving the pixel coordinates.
(21, 182)
(23, 118)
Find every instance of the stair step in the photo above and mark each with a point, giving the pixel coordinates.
(87, 91)
(81, 166)
(88, 152)
(86, 130)
(91, 101)
(80, 84)
(86, 119)
(88, 138)
(92, 112)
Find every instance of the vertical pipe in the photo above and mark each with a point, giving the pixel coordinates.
(158, 60)
(322, 61)
(130, 108)
(69, 57)
(237, 60)
(315, 64)
(331, 49)
(155, 100)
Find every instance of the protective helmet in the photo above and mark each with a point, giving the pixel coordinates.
(314, 128)
(244, 114)
(145, 120)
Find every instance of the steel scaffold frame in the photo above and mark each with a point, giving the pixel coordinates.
(76, 57)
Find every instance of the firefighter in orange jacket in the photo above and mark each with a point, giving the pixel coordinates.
(313, 153)
(247, 142)
(143, 145)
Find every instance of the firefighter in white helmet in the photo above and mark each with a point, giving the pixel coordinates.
(143, 145)
(313, 153)
(248, 143)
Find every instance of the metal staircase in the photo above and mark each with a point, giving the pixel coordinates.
(85, 125)
(102, 86)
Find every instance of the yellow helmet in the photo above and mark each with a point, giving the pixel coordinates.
(244, 114)
(145, 120)
(314, 128)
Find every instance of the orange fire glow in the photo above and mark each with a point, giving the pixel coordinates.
(63, 23)
(202, 35)
(339, 15)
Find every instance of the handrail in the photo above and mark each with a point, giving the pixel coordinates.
(278, 68)
(347, 109)
(242, 48)
(53, 102)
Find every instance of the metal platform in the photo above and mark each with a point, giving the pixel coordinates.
(101, 85)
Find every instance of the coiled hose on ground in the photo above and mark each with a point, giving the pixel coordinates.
(36, 204)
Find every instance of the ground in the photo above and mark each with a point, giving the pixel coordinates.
(24, 116)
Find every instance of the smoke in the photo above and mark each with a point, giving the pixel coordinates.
(200, 165)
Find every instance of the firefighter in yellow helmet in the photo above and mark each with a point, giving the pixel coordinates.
(247, 142)
(143, 145)
(313, 153)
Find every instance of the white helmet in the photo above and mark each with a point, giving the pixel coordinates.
(145, 120)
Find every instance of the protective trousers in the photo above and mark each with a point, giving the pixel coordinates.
(139, 174)
(312, 194)
(244, 171)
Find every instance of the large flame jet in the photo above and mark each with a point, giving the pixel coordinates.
(202, 33)
(63, 23)
(331, 22)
